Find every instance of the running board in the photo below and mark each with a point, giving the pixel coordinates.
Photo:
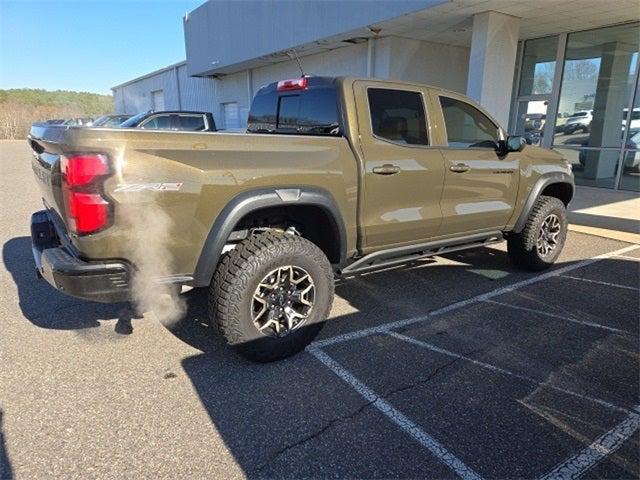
(411, 253)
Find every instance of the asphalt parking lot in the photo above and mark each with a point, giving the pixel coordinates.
(454, 367)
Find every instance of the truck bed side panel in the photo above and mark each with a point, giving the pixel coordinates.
(192, 176)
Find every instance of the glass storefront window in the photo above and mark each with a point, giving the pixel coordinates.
(630, 178)
(536, 85)
(532, 116)
(593, 167)
(538, 66)
(596, 86)
(583, 109)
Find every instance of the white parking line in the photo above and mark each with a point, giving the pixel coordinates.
(383, 328)
(397, 417)
(605, 445)
(627, 257)
(560, 317)
(575, 466)
(600, 282)
(495, 368)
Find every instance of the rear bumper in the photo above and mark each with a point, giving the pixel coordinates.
(104, 282)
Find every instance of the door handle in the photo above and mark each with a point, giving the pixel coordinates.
(386, 169)
(460, 168)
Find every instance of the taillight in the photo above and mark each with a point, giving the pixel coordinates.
(83, 169)
(88, 211)
(293, 84)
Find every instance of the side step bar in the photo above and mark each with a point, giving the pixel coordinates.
(411, 253)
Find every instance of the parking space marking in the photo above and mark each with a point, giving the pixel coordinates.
(626, 257)
(560, 317)
(385, 327)
(603, 446)
(495, 368)
(600, 282)
(573, 467)
(397, 417)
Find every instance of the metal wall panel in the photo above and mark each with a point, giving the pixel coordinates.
(136, 96)
(223, 33)
(392, 57)
(351, 60)
(181, 92)
(196, 93)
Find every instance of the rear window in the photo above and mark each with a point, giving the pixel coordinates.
(133, 121)
(313, 111)
(191, 122)
(160, 122)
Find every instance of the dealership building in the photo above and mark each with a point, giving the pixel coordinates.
(562, 73)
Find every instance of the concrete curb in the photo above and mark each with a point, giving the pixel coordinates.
(606, 233)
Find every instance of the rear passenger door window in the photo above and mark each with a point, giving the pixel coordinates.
(398, 116)
(467, 127)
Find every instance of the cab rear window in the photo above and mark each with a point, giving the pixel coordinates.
(310, 111)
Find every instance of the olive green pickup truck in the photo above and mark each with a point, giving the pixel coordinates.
(334, 176)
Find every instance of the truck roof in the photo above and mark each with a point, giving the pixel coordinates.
(313, 105)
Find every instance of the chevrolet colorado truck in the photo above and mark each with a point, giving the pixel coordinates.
(334, 176)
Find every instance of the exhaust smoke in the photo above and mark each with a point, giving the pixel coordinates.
(149, 234)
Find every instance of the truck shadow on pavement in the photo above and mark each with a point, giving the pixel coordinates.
(45, 307)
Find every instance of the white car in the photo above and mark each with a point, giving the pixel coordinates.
(578, 121)
(632, 156)
(635, 119)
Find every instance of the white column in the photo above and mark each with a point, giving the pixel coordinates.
(492, 60)
(249, 86)
(371, 57)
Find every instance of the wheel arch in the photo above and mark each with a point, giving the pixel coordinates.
(250, 202)
(554, 184)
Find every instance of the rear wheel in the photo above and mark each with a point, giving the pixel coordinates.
(539, 244)
(271, 295)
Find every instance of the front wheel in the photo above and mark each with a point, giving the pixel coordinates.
(540, 242)
(271, 295)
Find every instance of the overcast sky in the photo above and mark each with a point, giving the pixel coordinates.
(88, 45)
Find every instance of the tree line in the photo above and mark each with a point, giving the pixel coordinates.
(21, 107)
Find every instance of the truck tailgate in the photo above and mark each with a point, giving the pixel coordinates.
(46, 164)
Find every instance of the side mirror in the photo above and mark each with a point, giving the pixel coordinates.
(515, 143)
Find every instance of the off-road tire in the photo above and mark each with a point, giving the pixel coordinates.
(522, 246)
(237, 277)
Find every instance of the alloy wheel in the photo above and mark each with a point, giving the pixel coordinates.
(283, 301)
(547, 240)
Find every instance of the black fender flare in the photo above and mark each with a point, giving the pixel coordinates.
(252, 200)
(543, 182)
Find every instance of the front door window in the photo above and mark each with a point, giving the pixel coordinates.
(467, 127)
(479, 188)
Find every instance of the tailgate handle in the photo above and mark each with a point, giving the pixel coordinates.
(460, 168)
(386, 169)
